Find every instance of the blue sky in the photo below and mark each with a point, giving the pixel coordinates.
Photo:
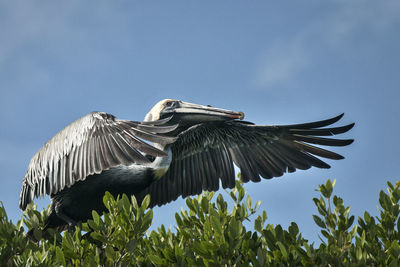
(278, 62)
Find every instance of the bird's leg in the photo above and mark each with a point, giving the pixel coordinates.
(64, 217)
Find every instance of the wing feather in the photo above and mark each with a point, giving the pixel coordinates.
(176, 177)
(205, 154)
(91, 144)
(185, 182)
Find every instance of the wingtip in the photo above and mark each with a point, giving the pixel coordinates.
(337, 118)
(351, 141)
(340, 157)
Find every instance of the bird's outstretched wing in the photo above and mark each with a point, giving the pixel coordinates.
(91, 144)
(204, 154)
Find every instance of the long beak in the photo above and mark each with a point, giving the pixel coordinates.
(195, 109)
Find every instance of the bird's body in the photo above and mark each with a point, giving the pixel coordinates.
(78, 201)
(194, 148)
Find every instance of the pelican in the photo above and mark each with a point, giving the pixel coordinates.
(192, 148)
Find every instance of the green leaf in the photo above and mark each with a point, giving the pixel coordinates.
(249, 202)
(395, 249)
(204, 204)
(367, 217)
(108, 200)
(98, 236)
(384, 200)
(124, 204)
(96, 217)
(190, 204)
(93, 225)
(282, 249)
(134, 202)
(264, 215)
(258, 224)
(131, 245)
(178, 220)
(325, 234)
(260, 257)
(147, 220)
(110, 253)
(146, 202)
(353, 231)
(60, 256)
(241, 194)
(37, 234)
(319, 221)
(329, 188)
(293, 229)
(358, 254)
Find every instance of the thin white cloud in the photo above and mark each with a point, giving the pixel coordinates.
(38, 38)
(282, 62)
(60, 30)
(286, 59)
(374, 16)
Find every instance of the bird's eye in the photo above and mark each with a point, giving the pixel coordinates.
(170, 104)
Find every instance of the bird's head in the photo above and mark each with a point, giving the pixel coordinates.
(188, 114)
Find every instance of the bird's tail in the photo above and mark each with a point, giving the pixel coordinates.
(26, 195)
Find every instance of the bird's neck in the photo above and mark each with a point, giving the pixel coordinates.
(161, 164)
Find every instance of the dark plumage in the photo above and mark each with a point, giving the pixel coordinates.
(194, 148)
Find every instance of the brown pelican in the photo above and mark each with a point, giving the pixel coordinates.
(194, 148)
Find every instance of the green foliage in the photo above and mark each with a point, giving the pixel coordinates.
(208, 233)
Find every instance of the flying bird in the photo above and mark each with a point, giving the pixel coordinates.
(180, 149)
